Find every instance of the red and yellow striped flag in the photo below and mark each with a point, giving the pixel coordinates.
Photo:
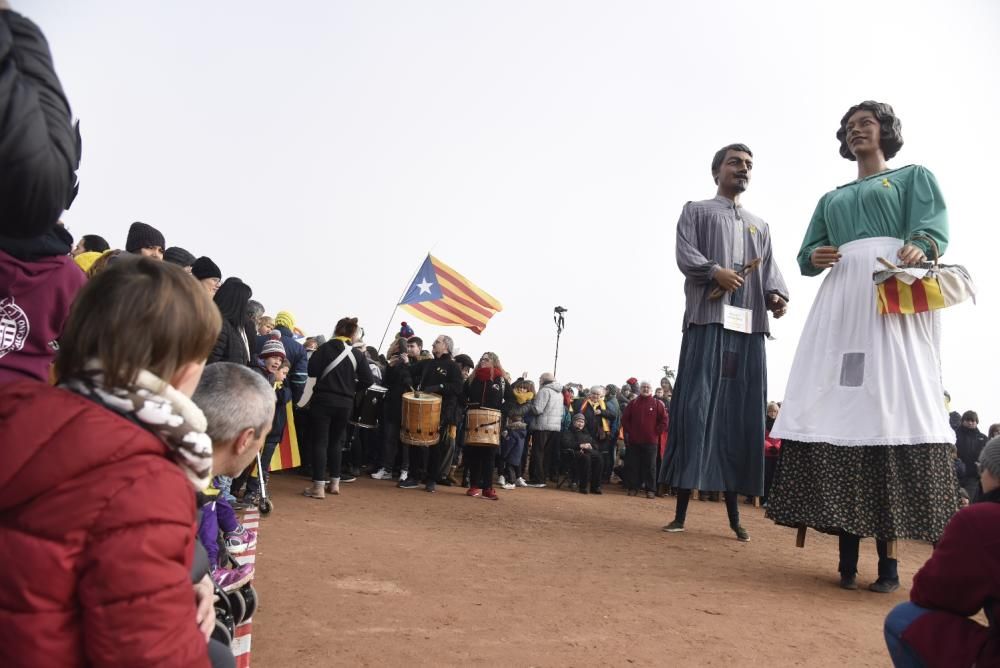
(442, 296)
(286, 455)
(895, 296)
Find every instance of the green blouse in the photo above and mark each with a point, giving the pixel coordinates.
(900, 203)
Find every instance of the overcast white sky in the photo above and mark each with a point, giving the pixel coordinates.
(318, 150)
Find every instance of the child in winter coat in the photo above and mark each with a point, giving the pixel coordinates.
(282, 395)
(515, 435)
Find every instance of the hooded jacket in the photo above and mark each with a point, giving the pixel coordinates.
(961, 578)
(97, 533)
(548, 406)
(38, 283)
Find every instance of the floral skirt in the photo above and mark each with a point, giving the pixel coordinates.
(888, 492)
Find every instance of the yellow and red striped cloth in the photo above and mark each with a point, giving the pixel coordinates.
(922, 295)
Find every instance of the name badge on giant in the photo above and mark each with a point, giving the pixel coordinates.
(737, 319)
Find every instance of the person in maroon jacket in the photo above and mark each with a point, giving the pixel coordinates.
(97, 490)
(961, 578)
(643, 422)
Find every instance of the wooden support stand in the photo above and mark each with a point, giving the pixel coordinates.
(890, 550)
(694, 495)
(800, 537)
(756, 502)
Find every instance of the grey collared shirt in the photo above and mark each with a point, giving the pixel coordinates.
(716, 233)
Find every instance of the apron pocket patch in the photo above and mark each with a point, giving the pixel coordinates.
(852, 370)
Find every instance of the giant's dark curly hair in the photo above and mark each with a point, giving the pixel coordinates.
(890, 129)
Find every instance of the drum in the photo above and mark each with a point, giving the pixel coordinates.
(368, 407)
(482, 426)
(421, 423)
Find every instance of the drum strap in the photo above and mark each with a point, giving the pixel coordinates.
(340, 358)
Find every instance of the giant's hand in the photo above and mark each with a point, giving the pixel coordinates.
(825, 257)
(728, 279)
(910, 255)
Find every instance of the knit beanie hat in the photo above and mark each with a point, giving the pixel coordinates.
(179, 256)
(579, 417)
(272, 348)
(405, 330)
(141, 235)
(203, 268)
(284, 319)
(989, 458)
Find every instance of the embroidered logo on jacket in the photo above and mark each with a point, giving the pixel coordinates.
(14, 327)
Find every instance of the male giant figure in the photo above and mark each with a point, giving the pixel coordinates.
(716, 433)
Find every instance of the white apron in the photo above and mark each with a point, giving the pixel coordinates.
(860, 378)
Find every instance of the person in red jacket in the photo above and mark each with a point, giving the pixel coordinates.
(643, 422)
(961, 578)
(97, 490)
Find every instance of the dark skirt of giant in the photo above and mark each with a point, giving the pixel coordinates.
(716, 437)
(890, 492)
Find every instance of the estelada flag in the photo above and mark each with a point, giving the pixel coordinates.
(442, 296)
(286, 455)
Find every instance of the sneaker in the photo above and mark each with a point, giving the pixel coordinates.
(881, 586)
(252, 499)
(382, 474)
(536, 485)
(674, 527)
(231, 579)
(241, 540)
(741, 534)
(501, 481)
(583, 489)
(431, 486)
(409, 484)
(402, 476)
(348, 477)
(508, 485)
(596, 490)
(848, 582)
(491, 494)
(474, 491)
(650, 495)
(520, 483)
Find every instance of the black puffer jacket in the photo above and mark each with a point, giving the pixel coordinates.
(230, 346)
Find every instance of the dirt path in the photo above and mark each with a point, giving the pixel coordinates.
(383, 576)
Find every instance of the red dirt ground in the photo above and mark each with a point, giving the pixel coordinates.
(545, 577)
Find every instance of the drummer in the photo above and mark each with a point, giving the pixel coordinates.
(442, 376)
(489, 388)
(340, 371)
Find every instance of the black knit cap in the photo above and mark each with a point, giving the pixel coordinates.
(179, 256)
(203, 267)
(141, 235)
(465, 361)
(39, 143)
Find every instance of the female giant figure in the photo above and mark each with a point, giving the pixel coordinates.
(864, 429)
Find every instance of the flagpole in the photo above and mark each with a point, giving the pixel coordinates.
(396, 307)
